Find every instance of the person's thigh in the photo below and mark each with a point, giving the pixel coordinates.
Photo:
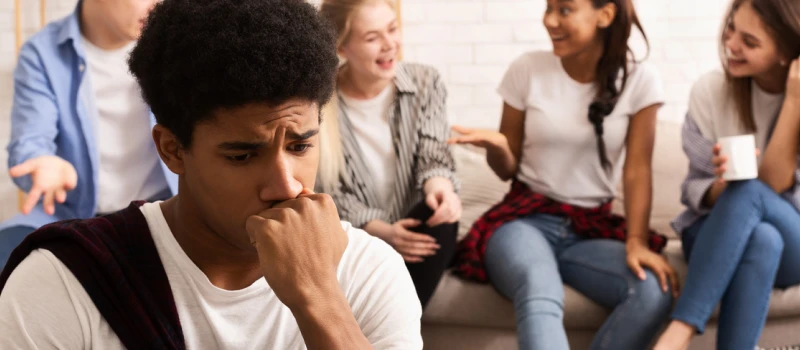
(689, 235)
(520, 259)
(522, 266)
(745, 303)
(785, 217)
(10, 238)
(598, 269)
(426, 274)
(789, 266)
(445, 234)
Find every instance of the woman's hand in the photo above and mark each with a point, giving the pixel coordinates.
(719, 186)
(478, 137)
(640, 257)
(412, 246)
(442, 199)
(719, 163)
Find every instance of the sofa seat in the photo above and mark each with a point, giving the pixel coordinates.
(459, 302)
(466, 315)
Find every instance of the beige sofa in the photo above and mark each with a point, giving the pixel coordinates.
(464, 315)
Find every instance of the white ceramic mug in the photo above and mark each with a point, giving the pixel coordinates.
(741, 153)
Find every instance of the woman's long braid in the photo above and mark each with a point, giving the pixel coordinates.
(602, 106)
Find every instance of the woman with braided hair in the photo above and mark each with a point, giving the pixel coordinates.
(575, 121)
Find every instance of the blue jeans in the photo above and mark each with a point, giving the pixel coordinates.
(749, 243)
(10, 238)
(528, 259)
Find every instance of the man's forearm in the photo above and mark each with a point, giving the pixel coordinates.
(327, 322)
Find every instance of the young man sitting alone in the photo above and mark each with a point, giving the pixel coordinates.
(245, 256)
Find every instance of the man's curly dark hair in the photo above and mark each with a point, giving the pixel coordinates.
(198, 56)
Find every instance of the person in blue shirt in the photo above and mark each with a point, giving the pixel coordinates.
(81, 141)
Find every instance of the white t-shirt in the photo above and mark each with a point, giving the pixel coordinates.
(129, 166)
(714, 111)
(44, 306)
(559, 150)
(370, 120)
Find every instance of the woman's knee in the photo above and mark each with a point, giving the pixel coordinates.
(540, 297)
(536, 289)
(765, 244)
(650, 296)
(518, 241)
(539, 279)
(521, 263)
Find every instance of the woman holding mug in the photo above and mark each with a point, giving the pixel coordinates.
(742, 238)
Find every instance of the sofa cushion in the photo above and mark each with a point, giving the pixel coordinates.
(480, 187)
(458, 302)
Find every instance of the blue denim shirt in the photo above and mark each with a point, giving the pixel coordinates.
(53, 113)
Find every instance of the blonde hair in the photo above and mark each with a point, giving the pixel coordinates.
(331, 161)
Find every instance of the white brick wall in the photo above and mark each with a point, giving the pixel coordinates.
(471, 42)
(683, 39)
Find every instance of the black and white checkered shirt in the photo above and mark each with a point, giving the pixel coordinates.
(419, 128)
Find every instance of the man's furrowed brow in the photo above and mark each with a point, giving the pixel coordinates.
(241, 146)
(291, 135)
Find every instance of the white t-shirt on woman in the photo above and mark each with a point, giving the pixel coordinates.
(559, 148)
(370, 120)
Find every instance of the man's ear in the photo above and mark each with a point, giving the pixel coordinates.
(169, 149)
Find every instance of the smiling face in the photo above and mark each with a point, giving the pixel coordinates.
(245, 160)
(374, 41)
(749, 49)
(573, 25)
